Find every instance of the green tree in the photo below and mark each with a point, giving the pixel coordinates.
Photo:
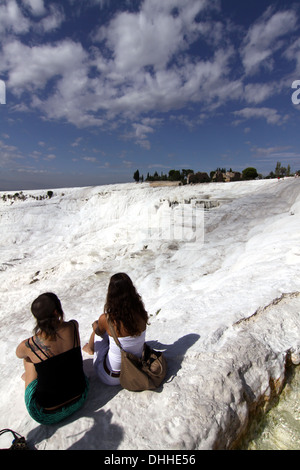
(199, 177)
(278, 169)
(136, 176)
(186, 172)
(283, 171)
(249, 173)
(174, 175)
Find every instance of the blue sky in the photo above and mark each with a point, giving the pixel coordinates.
(95, 89)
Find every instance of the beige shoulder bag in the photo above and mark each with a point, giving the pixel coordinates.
(138, 374)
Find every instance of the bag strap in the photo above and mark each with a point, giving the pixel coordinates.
(14, 433)
(113, 332)
(19, 442)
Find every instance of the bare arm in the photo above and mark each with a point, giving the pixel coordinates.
(22, 351)
(100, 326)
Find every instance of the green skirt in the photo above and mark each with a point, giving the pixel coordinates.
(42, 416)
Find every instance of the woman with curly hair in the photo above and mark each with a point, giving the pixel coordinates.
(125, 310)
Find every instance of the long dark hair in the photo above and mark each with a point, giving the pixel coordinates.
(48, 313)
(124, 304)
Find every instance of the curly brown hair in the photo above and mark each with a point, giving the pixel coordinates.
(124, 305)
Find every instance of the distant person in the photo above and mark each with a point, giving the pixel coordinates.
(127, 313)
(55, 384)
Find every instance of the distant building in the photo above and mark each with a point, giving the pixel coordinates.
(232, 176)
(226, 177)
(218, 177)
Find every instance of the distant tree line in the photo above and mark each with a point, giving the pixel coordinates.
(173, 175)
(281, 171)
(22, 197)
(219, 175)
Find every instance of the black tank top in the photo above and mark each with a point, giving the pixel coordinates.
(61, 377)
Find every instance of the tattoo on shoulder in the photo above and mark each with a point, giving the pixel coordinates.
(40, 345)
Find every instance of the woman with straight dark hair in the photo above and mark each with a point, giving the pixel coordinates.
(125, 310)
(55, 384)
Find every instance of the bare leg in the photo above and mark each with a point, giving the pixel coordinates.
(30, 372)
(89, 347)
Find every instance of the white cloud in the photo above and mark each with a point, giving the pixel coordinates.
(270, 150)
(283, 154)
(146, 62)
(127, 163)
(292, 53)
(140, 75)
(12, 19)
(142, 130)
(90, 159)
(76, 142)
(52, 21)
(36, 7)
(151, 36)
(269, 114)
(8, 154)
(257, 92)
(140, 134)
(30, 68)
(265, 37)
(140, 63)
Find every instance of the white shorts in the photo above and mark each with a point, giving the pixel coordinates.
(101, 346)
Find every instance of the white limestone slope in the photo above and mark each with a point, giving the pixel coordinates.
(224, 304)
